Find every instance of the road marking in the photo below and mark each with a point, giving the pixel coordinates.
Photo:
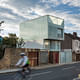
(76, 79)
(37, 74)
(9, 70)
(68, 68)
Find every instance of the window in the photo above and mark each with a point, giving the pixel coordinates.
(55, 45)
(46, 44)
(52, 45)
(60, 33)
(58, 45)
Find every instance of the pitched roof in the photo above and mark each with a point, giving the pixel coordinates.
(72, 36)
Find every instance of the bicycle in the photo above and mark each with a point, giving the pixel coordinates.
(19, 76)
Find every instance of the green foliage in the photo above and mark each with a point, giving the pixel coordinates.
(20, 43)
(10, 42)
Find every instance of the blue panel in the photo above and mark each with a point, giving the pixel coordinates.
(1, 39)
(54, 25)
(62, 57)
(66, 56)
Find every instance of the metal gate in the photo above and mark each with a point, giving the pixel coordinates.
(65, 56)
(43, 57)
(62, 57)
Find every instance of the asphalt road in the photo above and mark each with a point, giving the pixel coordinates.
(66, 72)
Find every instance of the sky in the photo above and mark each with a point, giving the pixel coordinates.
(13, 12)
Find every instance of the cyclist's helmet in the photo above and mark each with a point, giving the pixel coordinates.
(22, 54)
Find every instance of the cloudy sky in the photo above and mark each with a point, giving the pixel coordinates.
(13, 12)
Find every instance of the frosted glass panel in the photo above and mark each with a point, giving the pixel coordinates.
(35, 29)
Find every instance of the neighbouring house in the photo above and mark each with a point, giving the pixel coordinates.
(72, 42)
(45, 33)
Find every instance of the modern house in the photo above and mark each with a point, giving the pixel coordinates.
(44, 33)
(72, 42)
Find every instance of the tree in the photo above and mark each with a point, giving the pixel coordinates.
(20, 43)
(8, 42)
(11, 41)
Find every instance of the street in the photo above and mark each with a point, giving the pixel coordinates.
(66, 72)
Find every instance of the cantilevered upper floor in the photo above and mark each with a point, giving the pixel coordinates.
(44, 27)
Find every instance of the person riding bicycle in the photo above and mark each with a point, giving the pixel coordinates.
(24, 63)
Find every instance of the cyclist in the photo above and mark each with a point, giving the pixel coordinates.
(24, 63)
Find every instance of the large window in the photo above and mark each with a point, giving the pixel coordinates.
(52, 45)
(60, 33)
(58, 45)
(55, 45)
(47, 44)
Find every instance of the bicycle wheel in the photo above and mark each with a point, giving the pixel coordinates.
(18, 76)
(28, 75)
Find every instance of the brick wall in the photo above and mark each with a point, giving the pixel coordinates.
(5, 61)
(11, 57)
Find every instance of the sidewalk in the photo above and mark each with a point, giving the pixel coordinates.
(37, 67)
(52, 65)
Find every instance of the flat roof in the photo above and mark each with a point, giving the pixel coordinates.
(42, 16)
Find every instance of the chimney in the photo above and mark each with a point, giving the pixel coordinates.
(75, 34)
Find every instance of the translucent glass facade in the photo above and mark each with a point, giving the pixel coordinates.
(55, 28)
(44, 29)
(52, 45)
(35, 29)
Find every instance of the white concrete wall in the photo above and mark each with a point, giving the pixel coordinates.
(75, 45)
(34, 44)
